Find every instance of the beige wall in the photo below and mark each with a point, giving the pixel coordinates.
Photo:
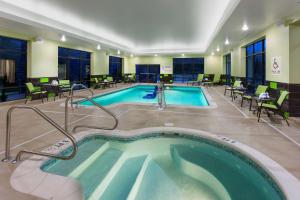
(213, 64)
(277, 44)
(43, 59)
(295, 54)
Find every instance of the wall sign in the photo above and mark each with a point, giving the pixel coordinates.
(166, 70)
(276, 65)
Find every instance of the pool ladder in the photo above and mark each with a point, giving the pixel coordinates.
(161, 101)
(64, 130)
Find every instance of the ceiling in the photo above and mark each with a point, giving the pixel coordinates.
(145, 27)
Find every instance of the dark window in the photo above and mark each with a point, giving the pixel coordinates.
(227, 59)
(115, 67)
(187, 69)
(13, 65)
(255, 64)
(74, 65)
(147, 73)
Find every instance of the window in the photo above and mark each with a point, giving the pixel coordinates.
(187, 69)
(255, 64)
(74, 65)
(227, 59)
(147, 73)
(13, 68)
(115, 67)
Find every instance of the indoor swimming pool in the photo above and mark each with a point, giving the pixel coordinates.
(165, 167)
(174, 95)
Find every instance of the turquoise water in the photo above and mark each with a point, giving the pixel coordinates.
(167, 168)
(174, 95)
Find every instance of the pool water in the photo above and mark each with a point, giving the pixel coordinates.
(164, 167)
(174, 95)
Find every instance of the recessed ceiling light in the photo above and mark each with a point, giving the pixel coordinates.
(98, 47)
(245, 27)
(119, 52)
(227, 42)
(212, 53)
(63, 38)
(131, 55)
(218, 49)
(155, 55)
(182, 55)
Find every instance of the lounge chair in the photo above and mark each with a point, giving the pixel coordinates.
(32, 91)
(111, 81)
(216, 80)
(275, 107)
(235, 85)
(199, 80)
(259, 90)
(64, 86)
(97, 83)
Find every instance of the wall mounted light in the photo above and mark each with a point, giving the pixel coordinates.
(98, 47)
(245, 27)
(227, 42)
(119, 52)
(63, 38)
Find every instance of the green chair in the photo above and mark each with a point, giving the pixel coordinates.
(259, 90)
(34, 91)
(235, 85)
(64, 86)
(275, 107)
(216, 80)
(111, 81)
(199, 80)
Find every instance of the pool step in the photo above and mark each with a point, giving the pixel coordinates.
(181, 156)
(135, 188)
(100, 189)
(64, 167)
(155, 184)
(97, 171)
(123, 180)
(89, 161)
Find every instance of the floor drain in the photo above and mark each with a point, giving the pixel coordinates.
(169, 124)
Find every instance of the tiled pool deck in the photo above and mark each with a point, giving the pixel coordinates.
(271, 137)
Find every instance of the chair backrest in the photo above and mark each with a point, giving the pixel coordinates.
(200, 77)
(44, 80)
(109, 78)
(64, 82)
(283, 96)
(96, 80)
(261, 89)
(30, 86)
(237, 84)
(217, 78)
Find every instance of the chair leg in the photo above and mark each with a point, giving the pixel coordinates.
(242, 102)
(250, 107)
(225, 92)
(285, 118)
(258, 113)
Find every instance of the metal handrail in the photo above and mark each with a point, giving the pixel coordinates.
(87, 126)
(161, 97)
(81, 85)
(49, 120)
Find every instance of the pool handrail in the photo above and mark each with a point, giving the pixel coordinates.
(81, 85)
(50, 121)
(90, 99)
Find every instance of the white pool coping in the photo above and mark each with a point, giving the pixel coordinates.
(30, 179)
(211, 103)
